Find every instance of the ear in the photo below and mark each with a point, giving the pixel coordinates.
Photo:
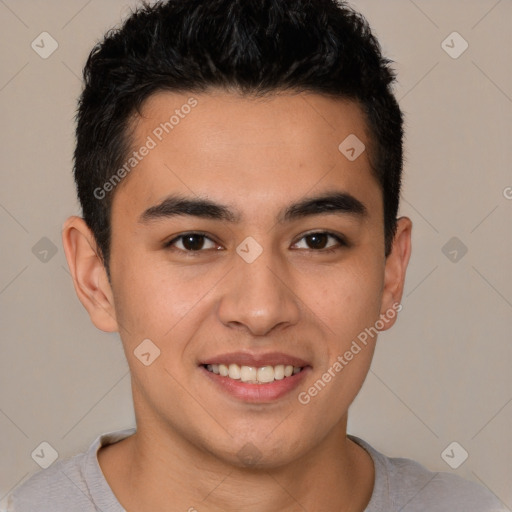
(89, 275)
(394, 272)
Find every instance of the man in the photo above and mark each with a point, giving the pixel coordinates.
(238, 163)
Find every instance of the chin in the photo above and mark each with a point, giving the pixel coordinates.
(258, 452)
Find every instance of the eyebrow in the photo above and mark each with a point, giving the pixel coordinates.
(328, 203)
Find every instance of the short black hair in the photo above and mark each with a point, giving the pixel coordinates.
(253, 47)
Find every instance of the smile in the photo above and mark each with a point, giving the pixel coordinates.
(252, 374)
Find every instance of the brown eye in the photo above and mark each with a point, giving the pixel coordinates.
(191, 242)
(317, 240)
(320, 241)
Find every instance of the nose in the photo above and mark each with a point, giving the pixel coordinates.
(259, 296)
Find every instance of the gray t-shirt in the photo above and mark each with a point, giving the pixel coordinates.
(77, 484)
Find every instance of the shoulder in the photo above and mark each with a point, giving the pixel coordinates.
(416, 488)
(72, 484)
(405, 485)
(53, 489)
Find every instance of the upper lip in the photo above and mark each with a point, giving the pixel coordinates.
(256, 360)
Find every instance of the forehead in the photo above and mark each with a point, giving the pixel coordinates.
(245, 151)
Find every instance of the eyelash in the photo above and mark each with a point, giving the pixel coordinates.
(339, 239)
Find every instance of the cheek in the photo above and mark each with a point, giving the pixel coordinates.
(346, 298)
(347, 301)
(156, 302)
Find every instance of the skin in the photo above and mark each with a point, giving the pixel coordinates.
(256, 156)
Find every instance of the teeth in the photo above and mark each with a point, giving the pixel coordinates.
(279, 372)
(248, 373)
(234, 371)
(253, 375)
(266, 374)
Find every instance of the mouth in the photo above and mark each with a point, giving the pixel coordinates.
(255, 378)
(253, 374)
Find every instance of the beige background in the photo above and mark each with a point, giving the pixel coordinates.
(441, 375)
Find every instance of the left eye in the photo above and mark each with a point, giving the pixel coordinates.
(192, 242)
(319, 241)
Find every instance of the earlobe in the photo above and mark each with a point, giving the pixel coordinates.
(88, 272)
(395, 270)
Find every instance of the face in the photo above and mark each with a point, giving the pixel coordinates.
(247, 247)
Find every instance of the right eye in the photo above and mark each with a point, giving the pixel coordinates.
(192, 242)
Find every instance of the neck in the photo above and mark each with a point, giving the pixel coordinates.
(155, 467)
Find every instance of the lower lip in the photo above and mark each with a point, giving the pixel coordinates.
(257, 393)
